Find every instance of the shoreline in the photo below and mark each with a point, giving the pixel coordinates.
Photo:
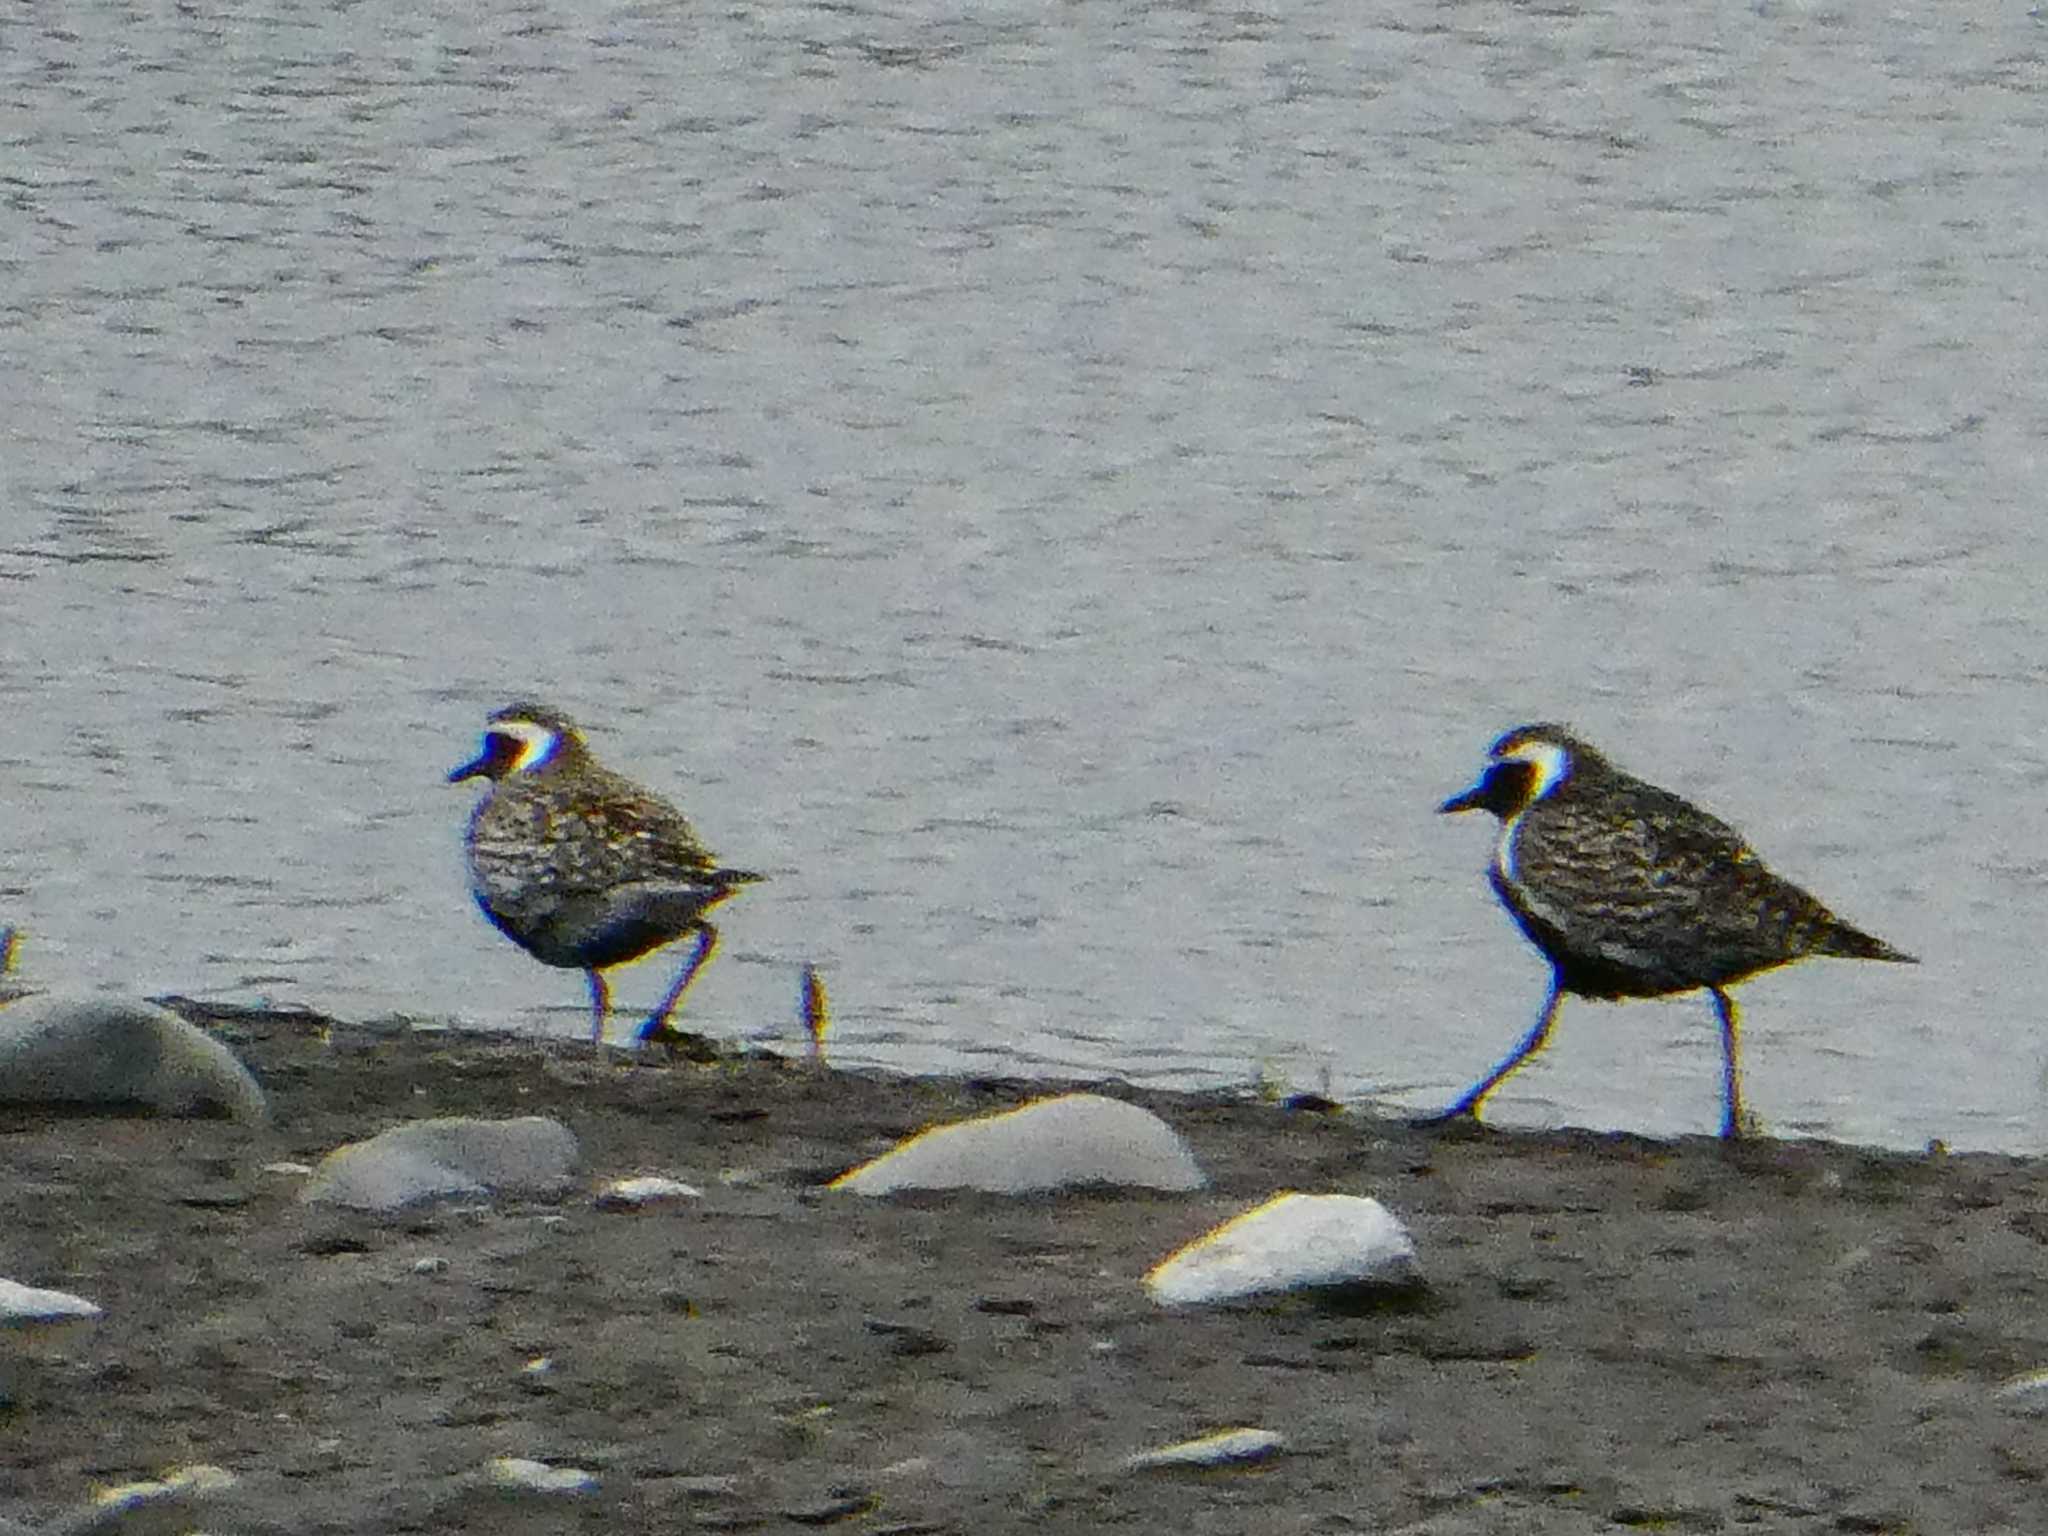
(1614, 1331)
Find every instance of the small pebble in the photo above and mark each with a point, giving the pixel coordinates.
(707, 1486)
(517, 1472)
(844, 1504)
(635, 1194)
(2026, 1394)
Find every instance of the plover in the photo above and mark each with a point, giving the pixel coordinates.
(1630, 891)
(581, 867)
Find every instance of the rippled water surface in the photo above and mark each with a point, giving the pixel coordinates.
(1065, 490)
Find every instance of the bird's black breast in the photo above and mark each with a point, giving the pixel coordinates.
(1582, 969)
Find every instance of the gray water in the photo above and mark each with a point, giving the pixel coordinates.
(1063, 489)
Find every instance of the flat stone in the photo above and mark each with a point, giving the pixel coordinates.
(521, 1475)
(108, 1052)
(1225, 1448)
(25, 1307)
(1072, 1141)
(429, 1159)
(650, 1189)
(707, 1486)
(1292, 1242)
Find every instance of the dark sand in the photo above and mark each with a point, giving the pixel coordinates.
(1616, 1334)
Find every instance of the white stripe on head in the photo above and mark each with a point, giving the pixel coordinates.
(1551, 762)
(536, 743)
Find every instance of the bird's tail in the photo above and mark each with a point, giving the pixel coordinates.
(1838, 938)
(725, 877)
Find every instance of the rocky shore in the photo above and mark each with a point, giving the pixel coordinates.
(1614, 1334)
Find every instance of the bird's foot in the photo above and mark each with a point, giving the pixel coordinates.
(683, 1044)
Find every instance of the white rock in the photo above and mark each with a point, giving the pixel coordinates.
(34, 1323)
(114, 1051)
(532, 1156)
(651, 1189)
(1228, 1447)
(517, 1472)
(1292, 1242)
(25, 1307)
(1060, 1143)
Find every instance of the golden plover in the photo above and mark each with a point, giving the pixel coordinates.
(1630, 891)
(581, 867)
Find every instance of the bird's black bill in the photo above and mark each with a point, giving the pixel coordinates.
(1503, 789)
(498, 755)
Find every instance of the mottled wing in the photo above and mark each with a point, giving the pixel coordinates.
(533, 846)
(612, 832)
(1650, 881)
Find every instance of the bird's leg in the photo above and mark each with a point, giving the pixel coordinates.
(1731, 1069)
(816, 1010)
(657, 1021)
(600, 1009)
(1527, 1046)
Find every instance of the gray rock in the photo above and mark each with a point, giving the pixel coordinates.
(426, 1159)
(108, 1052)
(1061, 1143)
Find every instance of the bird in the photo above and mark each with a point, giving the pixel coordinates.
(580, 866)
(1632, 891)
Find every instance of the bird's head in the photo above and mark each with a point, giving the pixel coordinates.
(522, 738)
(1523, 766)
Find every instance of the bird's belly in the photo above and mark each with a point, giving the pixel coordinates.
(595, 930)
(1601, 959)
(1589, 962)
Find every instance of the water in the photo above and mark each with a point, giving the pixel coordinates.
(1063, 490)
